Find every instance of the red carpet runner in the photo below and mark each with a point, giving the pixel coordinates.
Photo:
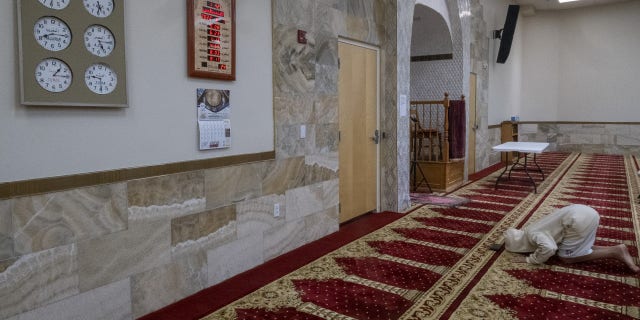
(434, 263)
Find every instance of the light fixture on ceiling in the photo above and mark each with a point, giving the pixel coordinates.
(563, 1)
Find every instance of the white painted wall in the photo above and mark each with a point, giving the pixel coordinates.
(504, 79)
(160, 124)
(430, 34)
(582, 64)
(439, 6)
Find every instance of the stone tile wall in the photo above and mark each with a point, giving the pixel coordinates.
(605, 138)
(150, 242)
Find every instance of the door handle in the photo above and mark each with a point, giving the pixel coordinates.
(376, 137)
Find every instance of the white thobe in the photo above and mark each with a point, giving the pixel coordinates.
(570, 231)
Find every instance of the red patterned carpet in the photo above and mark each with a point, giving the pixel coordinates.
(434, 263)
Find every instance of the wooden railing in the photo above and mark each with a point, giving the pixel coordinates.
(431, 124)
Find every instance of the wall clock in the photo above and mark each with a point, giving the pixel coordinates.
(71, 53)
(99, 40)
(211, 42)
(52, 33)
(53, 75)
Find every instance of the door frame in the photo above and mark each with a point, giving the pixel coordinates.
(377, 51)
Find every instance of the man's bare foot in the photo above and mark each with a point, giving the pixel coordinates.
(625, 257)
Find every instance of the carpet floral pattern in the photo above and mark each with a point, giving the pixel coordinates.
(435, 262)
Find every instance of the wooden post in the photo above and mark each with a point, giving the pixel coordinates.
(445, 149)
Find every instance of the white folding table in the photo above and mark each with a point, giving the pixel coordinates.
(524, 148)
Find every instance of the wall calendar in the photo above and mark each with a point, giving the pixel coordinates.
(211, 39)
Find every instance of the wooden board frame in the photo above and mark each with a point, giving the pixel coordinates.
(226, 39)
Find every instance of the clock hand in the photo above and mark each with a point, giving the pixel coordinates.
(54, 34)
(55, 73)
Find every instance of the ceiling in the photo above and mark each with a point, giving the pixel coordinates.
(554, 5)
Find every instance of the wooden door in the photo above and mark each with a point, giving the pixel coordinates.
(473, 125)
(358, 114)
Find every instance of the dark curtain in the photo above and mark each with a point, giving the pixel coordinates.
(457, 129)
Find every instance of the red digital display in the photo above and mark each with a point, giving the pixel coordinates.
(214, 52)
(214, 59)
(214, 45)
(214, 26)
(212, 12)
(214, 5)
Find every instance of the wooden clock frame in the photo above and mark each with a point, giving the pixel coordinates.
(197, 11)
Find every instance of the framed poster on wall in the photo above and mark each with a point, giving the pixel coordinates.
(211, 39)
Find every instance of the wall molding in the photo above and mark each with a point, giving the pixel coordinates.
(432, 57)
(493, 126)
(60, 183)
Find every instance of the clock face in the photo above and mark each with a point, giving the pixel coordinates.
(55, 4)
(52, 33)
(53, 75)
(99, 8)
(100, 78)
(99, 40)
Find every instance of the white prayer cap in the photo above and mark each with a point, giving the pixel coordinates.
(516, 241)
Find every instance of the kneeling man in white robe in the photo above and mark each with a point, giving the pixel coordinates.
(569, 232)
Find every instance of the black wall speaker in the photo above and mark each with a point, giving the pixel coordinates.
(506, 36)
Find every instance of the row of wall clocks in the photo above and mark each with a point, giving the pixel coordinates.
(74, 55)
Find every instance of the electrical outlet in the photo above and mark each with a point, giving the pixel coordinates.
(276, 210)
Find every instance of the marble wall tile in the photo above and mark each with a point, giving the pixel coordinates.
(288, 142)
(321, 224)
(304, 201)
(356, 28)
(326, 79)
(326, 136)
(228, 185)
(45, 221)
(203, 224)
(294, 13)
(166, 197)
(111, 302)
(282, 175)
(293, 109)
(256, 216)
(4, 264)
(224, 262)
(37, 279)
(331, 193)
(317, 171)
(158, 287)
(587, 138)
(294, 63)
(310, 139)
(331, 18)
(103, 260)
(327, 160)
(284, 238)
(325, 109)
(6, 230)
(627, 140)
